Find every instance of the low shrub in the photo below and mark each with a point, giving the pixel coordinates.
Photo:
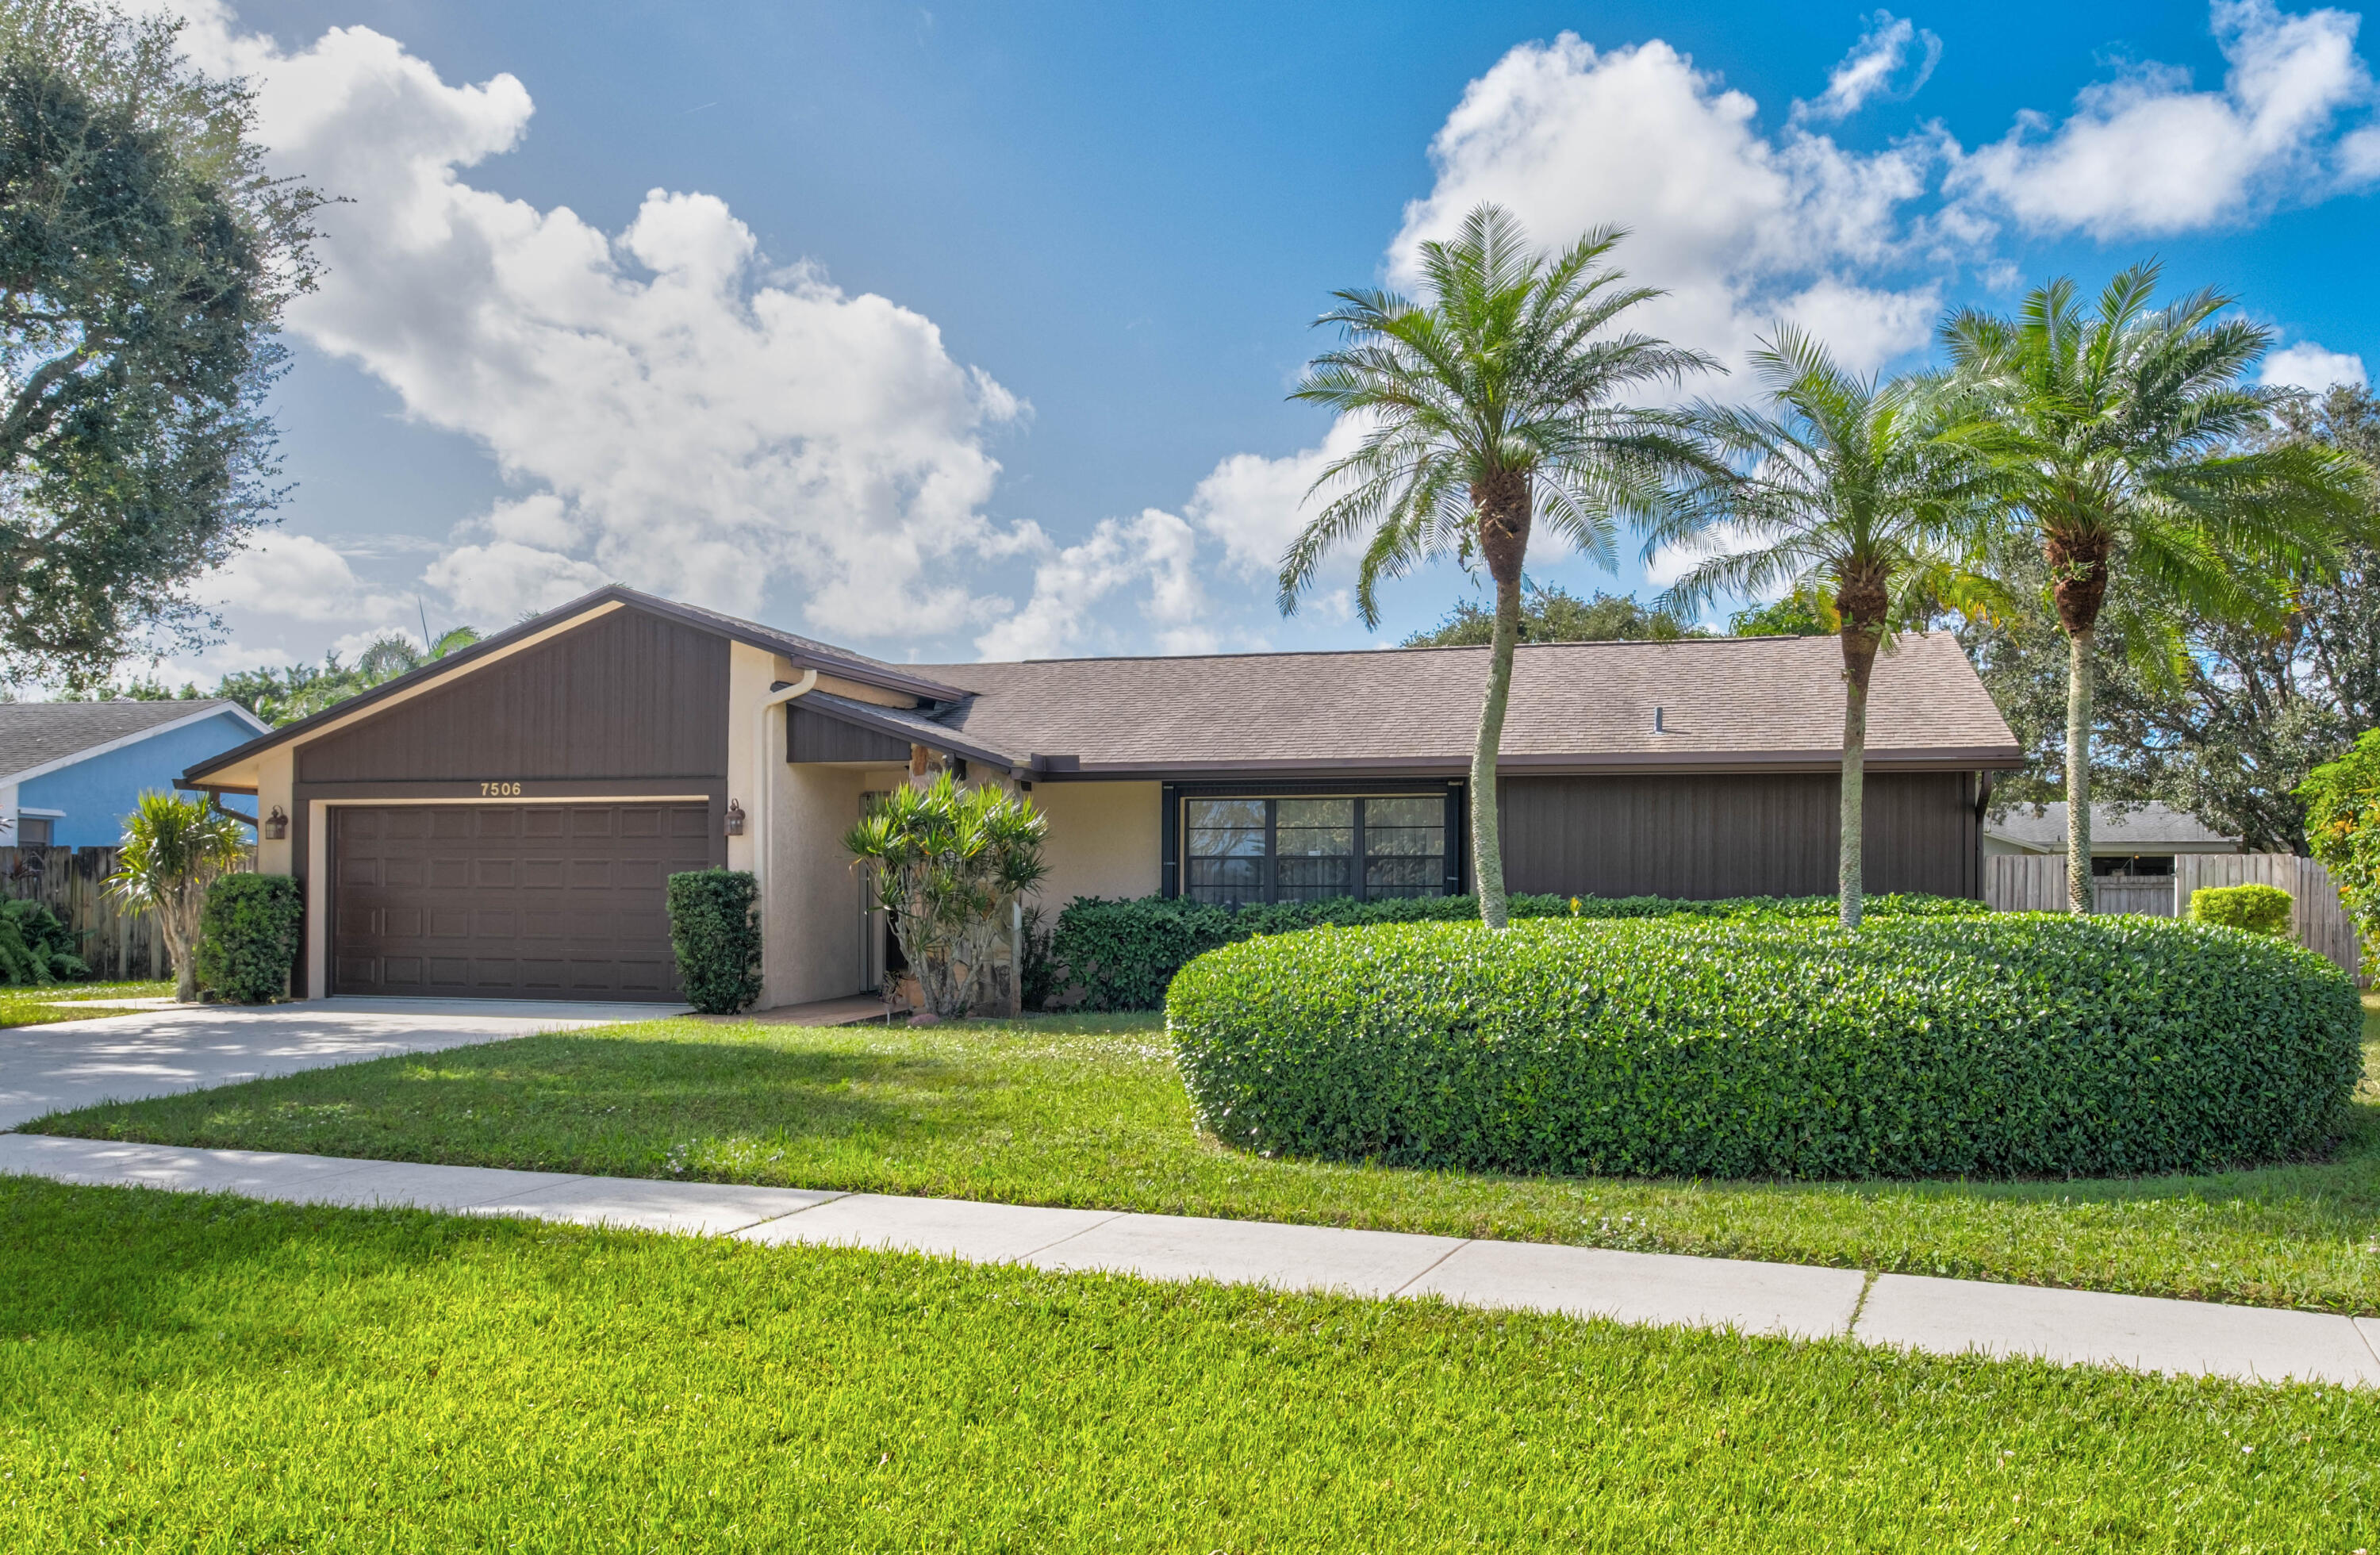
(716, 933)
(2260, 909)
(35, 948)
(2016, 1045)
(1121, 954)
(249, 938)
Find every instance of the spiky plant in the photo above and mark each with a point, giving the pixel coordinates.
(173, 849)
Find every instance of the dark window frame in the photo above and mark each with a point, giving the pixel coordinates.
(1174, 831)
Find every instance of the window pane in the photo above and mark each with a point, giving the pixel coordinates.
(1314, 842)
(1406, 810)
(1405, 847)
(1225, 850)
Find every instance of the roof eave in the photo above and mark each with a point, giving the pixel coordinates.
(1950, 758)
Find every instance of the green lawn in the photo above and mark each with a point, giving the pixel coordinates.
(57, 1001)
(182, 1373)
(1089, 1111)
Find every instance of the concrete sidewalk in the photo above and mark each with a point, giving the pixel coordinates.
(1943, 1317)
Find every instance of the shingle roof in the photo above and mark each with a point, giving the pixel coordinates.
(36, 733)
(1753, 700)
(2139, 828)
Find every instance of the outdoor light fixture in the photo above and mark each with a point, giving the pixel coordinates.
(735, 818)
(276, 825)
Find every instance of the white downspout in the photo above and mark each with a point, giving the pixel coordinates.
(765, 812)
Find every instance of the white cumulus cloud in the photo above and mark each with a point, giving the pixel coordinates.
(1132, 576)
(299, 577)
(2308, 366)
(1874, 64)
(688, 417)
(1740, 228)
(2145, 154)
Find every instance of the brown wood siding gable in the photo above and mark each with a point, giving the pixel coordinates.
(1704, 837)
(628, 695)
(811, 736)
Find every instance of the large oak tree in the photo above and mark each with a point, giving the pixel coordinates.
(145, 258)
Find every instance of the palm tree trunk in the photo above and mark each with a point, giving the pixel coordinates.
(177, 920)
(1851, 863)
(1487, 834)
(2081, 890)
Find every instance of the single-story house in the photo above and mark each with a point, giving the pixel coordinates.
(499, 822)
(2133, 840)
(69, 771)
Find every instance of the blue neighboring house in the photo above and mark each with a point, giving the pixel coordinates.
(70, 770)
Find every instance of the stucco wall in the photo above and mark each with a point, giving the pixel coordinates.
(1104, 840)
(97, 793)
(810, 946)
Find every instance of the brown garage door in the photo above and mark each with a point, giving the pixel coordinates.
(510, 901)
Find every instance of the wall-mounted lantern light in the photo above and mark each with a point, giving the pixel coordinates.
(276, 825)
(735, 818)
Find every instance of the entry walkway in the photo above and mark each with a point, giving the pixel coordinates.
(1945, 1317)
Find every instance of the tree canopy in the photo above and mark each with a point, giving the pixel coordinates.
(1553, 614)
(145, 257)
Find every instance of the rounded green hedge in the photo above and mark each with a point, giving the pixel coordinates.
(2019, 1045)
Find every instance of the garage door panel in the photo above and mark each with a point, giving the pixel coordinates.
(513, 900)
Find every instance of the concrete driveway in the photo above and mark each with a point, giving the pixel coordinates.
(159, 1053)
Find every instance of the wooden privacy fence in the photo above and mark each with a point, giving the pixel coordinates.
(2033, 883)
(71, 882)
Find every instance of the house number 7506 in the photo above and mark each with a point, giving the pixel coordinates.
(499, 790)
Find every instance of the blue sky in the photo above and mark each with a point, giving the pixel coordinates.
(957, 332)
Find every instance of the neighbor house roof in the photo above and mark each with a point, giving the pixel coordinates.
(1722, 702)
(2149, 828)
(37, 737)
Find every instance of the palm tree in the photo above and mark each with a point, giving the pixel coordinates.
(2126, 439)
(1846, 498)
(1485, 405)
(384, 659)
(173, 849)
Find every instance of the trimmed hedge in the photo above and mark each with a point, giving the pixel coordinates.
(716, 934)
(248, 937)
(2260, 909)
(1121, 954)
(2016, 1045)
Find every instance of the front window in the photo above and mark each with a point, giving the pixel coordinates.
(1305, 850)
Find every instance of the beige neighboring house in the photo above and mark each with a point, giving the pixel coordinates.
(2138, 840)
(499, 822)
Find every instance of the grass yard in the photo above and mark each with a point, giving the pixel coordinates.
(187, 1373)
(1089, 1111)
(57, 1001)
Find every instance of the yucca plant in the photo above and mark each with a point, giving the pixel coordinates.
(948, 863)
(173, 849)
